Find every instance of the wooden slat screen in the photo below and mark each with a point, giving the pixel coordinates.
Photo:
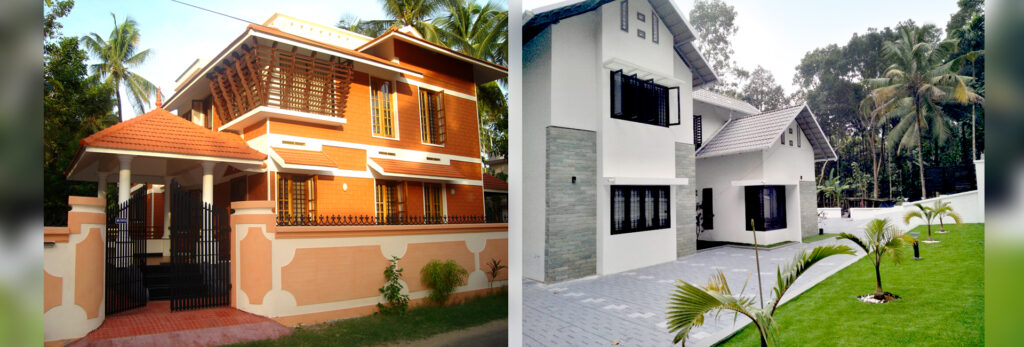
(265, 75)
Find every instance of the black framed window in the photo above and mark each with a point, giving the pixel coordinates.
(698, 131)
(643, 101)
(766, 205)
(640, 208)
(624, 15)
(654, 27)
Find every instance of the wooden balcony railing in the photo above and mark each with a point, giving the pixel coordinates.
(269, 76)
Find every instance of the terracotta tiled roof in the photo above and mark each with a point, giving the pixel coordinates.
(161, 131)
(393, 166)
(494, 183)
(301, 157)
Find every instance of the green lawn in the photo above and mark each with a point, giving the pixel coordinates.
(416, 324)
(819, 237)
(943, 300)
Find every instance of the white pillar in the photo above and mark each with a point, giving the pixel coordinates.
(167, 207)
(207, 197)
(101, 185)
(208, 181)
(124, 184)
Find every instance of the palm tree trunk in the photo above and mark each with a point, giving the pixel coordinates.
(117, 92)
(920, 155)
(929, 231)
(874, 170)
(878, 280)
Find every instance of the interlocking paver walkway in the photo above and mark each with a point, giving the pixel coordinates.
(630, 307)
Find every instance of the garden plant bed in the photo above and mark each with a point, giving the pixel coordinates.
(945, 289)
(417, 323)
(871, 299)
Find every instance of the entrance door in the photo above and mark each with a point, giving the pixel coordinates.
(707, 210)
(200, 252)
(126, 254)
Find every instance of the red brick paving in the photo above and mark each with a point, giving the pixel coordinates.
(155, 325)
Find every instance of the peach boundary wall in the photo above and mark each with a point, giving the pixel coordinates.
(307, 275)
(73, 271)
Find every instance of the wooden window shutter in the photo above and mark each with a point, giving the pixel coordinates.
(400, 195)
(311, 195)
(424, 118)
(440, 118)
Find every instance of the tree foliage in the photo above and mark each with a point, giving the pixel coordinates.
(715, 24)
(118, 56)
(74, 106)
(882, 239)
(763, 92)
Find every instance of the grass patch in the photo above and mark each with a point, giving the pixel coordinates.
(943, 300)
(819, 237)
(417, 323)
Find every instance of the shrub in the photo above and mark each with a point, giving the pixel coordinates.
(442, 278)
(493, 269)
(392, 290)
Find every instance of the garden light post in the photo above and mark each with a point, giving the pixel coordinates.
(917, 250)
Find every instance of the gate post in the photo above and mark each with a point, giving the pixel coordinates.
(253, 225)
(74, 270)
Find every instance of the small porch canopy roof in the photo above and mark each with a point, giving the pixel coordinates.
(161, 144)
(492, 183)
(759, 132)
(682, 34)
(409, 169)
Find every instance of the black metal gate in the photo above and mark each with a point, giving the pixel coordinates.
(200, 252)
(126, 254)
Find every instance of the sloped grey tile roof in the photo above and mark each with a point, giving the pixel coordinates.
(710, 97)
(757, 132)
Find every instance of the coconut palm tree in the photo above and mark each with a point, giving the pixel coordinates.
(943, 209)
(688, 303)
(399, 13)
(913, 86)
(118, 55)
(881, 238)
(870, 121)
(480, 31)
(925, 213)
(833, 187)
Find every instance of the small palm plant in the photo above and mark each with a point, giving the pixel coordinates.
(926, 214)
(881, 238)
(688, 303)
(943, 209)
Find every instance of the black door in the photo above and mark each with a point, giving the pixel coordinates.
(200, 252)
(707, 210)
(126, 254)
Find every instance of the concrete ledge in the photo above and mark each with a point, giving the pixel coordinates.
(87, 201)
(252, 204)
(291, 232)
(56, 234)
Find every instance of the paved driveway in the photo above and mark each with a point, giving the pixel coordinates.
(630, 307)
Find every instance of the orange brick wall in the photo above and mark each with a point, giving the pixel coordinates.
(467, 200)
(222, 195)
(257, 187)
(331, 198)
(473, 171)
(460, 117)
(414, 199)
(254, 131)
(437, 69)
(347, 158)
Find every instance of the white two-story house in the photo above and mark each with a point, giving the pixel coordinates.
(609, 158)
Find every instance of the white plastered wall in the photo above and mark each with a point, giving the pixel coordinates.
(536, 117)
(778, 163)
(68, 320)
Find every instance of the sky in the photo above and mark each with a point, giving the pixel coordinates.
(776, 34)
(178, 34)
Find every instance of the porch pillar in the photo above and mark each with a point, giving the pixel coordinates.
(124, 184)
(207, 198)
(101, 188)
(167, 207)
(208, 182)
